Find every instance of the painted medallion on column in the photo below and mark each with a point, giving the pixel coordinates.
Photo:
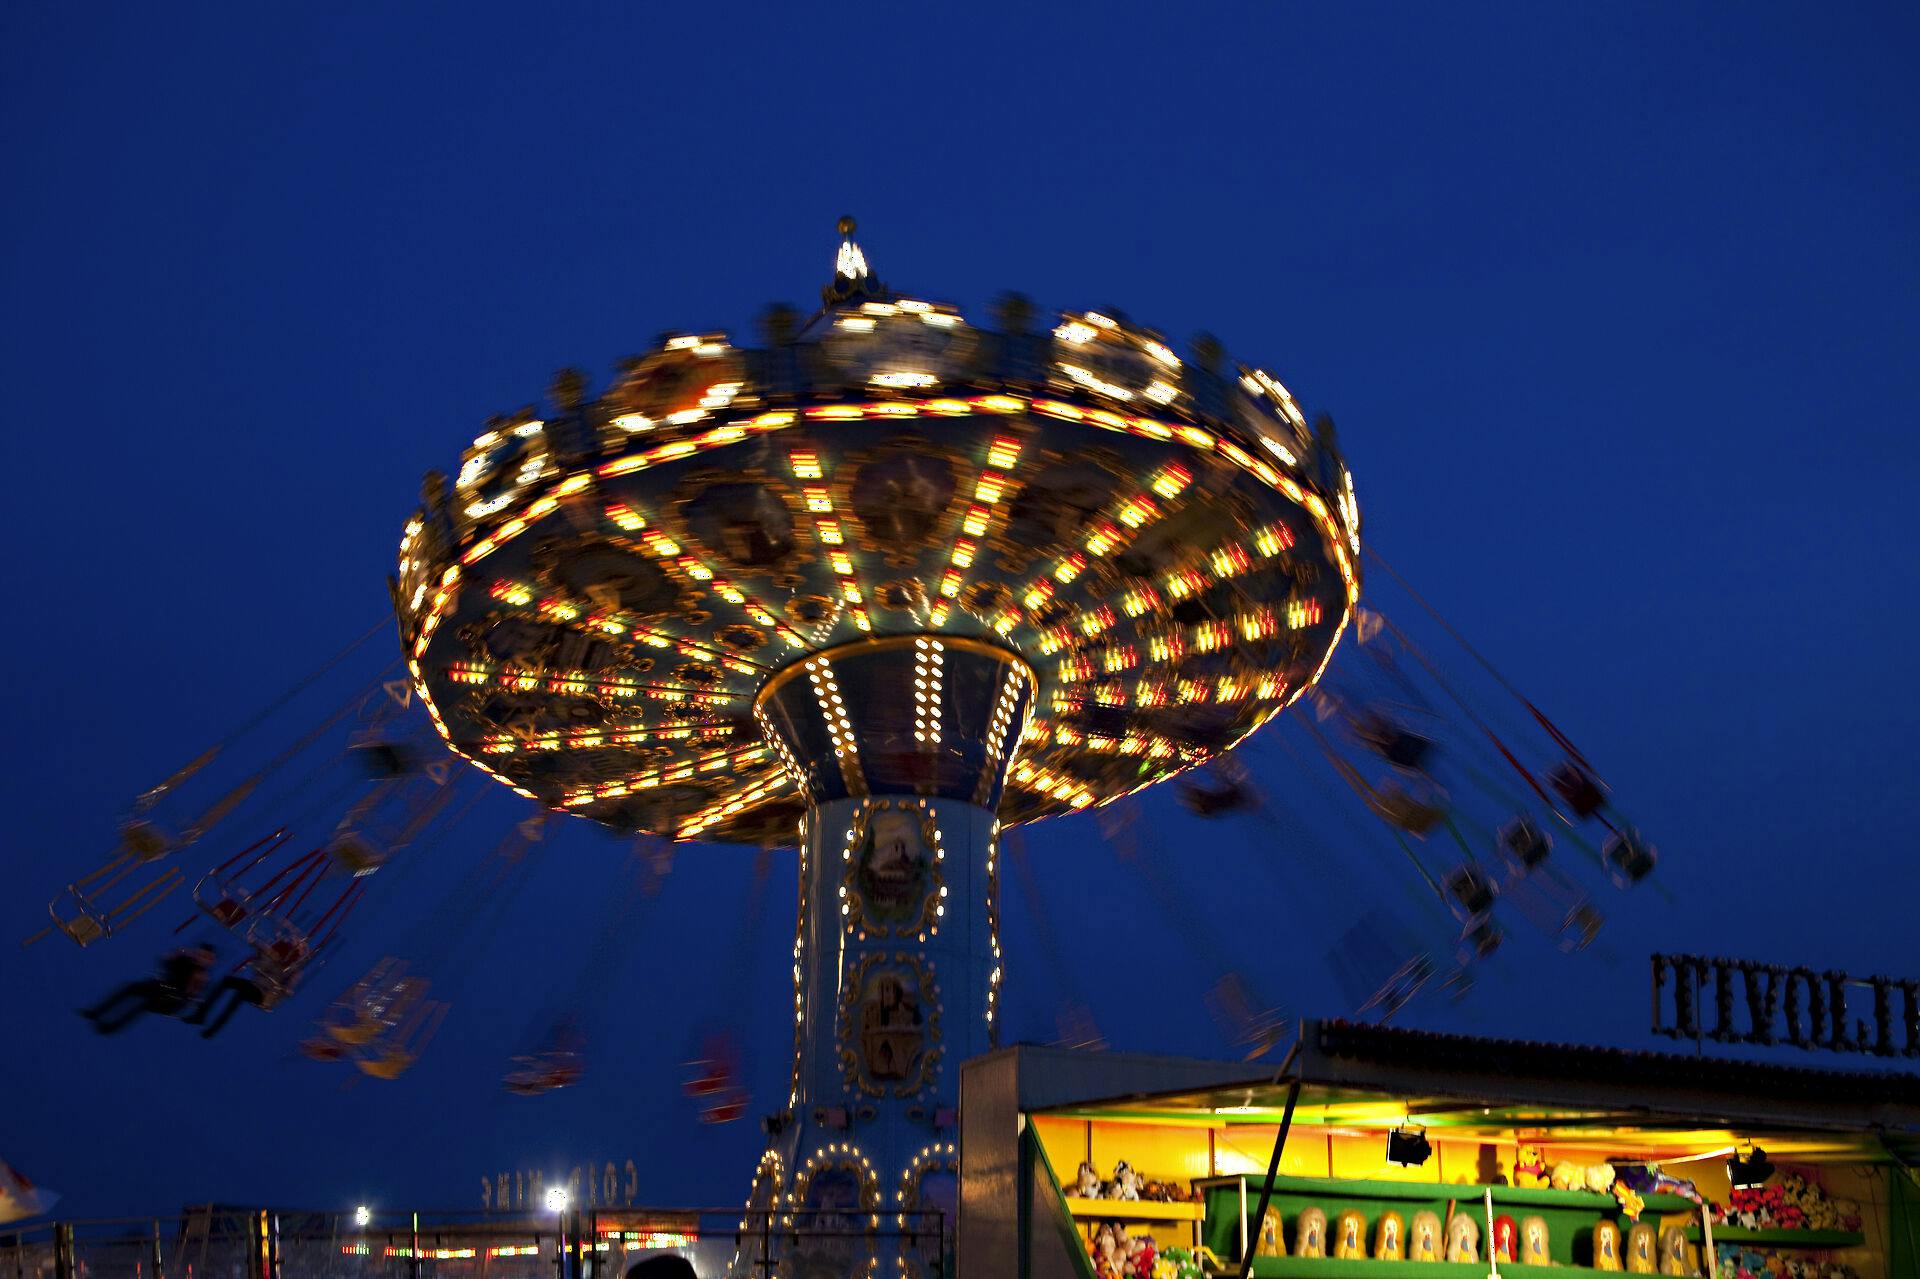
(894, 884)
(890, 1025)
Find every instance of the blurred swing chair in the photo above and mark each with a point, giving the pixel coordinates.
(394, 1053)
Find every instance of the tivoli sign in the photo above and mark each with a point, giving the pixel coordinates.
(1736, 1001)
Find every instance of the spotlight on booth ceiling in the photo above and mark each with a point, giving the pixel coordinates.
(1750, 1170)
(556, 1199)
(362, 1215)
(1408, 1147)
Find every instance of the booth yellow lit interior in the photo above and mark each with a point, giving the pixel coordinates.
(1524, 1141)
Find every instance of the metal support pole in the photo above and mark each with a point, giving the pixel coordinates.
(413, 1262)
(159, 1257)
(1273, 1170)
(63, 1266)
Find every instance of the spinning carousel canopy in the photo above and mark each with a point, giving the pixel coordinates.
(1130, 560)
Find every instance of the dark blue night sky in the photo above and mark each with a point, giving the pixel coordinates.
(1616, 307)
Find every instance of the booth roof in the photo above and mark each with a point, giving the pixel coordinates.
(1655, 1077)
(1351, 1071)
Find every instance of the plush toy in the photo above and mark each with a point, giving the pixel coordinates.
(1140, 1254)
(1647, 1179)
(1673, 1252)
(1640, 1246)
(1423, 1240)
(1310, 1234)
(1533, 1242)
(1505, 1238)
(1349, 1236)
(1530, 1168)
(1463, 1238)
(1183, 1263)
(1606, 1246)
(1572, 1176)
(1630, 1201)
(1390, 1238)
(1107, 1250)
(1086, 1183)
(1125, 1183)
(1272, 1243)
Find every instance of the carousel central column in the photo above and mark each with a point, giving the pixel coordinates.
(902, 746)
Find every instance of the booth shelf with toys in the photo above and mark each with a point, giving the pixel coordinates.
(1569, 1216)
(1577, 1147)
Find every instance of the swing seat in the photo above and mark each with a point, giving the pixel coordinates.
(541, 1074)
(383, 758)
(145, 841)
(1481, 940)
(390, 1065)
(727, 1109)
(1414, 816)
(1264, 1033)
(356, 854)
(1214, 801)
(1403, 985)
(284, 953)
(1581, 926)
(1400, 747)
(276, 940)
(709, 1078)
(91, 920)
(226, 904)
(1580, 792)
(1524, 844)
(1472, 892)
(1629, 858)
(83, 929)
(355, 1033)
(320, 1048)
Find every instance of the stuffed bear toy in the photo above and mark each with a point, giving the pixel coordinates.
(1139, 1259)
(1087, 1182)
(1125, 1183)
(1530, 1169)
(1572, 1176)
(1108, 1249)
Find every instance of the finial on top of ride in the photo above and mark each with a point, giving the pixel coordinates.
(1122, 562)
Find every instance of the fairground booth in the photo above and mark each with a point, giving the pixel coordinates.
(1373, 1152)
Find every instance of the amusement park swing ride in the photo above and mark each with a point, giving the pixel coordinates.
(883, 589)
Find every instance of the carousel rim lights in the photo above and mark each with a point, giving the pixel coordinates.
(526, 470)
